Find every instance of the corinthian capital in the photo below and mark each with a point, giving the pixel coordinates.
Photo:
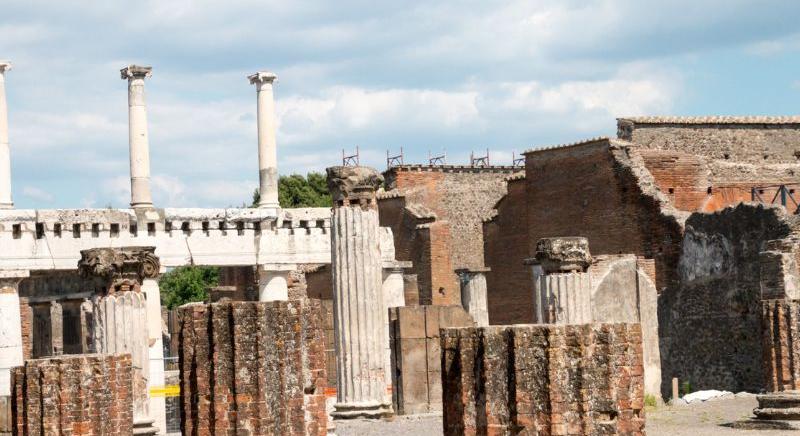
(354, 185)
(125, 268)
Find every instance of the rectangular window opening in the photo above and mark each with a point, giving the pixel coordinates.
(57, 230)
(114, 231)
(257, 228)
(134, 229)
(151, 229)
(76, 230)
(95, 230)
(185, 228)
(16, 231)
(39, 230)
(240, 228)
(204, 224)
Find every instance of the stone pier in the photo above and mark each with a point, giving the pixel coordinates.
(5, 153)
(360, 316)
(473, 294)
(11, 354)
(267, 148)
(543, 380)
(120, 317)
(562, 286)
(137, 135)
(252, 368)
(88, 394)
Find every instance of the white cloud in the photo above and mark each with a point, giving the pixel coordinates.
(37, 194)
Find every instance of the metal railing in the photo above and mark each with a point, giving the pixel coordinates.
(784, 195)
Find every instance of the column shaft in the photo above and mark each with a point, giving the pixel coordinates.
(137, 136)
(473, 294)
(5, 153)
(273, 285)
(563, 298)
(10, 329)
(267, 144)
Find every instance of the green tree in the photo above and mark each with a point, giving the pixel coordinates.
(298, 191)
(187, 284)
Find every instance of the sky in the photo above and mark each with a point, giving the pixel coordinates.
(431, 77)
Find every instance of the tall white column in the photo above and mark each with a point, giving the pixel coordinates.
(360, 316)
(5, 153)
(10, 326)
(267, 147)
(137, 135)
(561, 283)
(473, 294)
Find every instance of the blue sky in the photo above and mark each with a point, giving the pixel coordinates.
(454, 76)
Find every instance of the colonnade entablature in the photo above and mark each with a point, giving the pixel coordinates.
(52, 239)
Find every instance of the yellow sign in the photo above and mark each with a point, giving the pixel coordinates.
(165, 391)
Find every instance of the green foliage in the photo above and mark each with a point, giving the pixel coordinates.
(650, 401)
(686, 388)
(187, 284)
(298, 191)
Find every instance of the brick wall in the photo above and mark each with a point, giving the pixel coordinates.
(681, 176)
(543, 379)
(460, 197)
(26, 318)
(781, 344)
(243, 278)
(505, 249)
(256, 367)
(416, 355)
(73, 395)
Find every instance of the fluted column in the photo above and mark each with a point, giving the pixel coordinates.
(10, 326)
(137, 135)
(120, 316)
(360, 316)
(267, 146)
(5, 153)
(562, 286)
(473, 294)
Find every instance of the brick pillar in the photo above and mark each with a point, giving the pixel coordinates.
(252, 368)
(86, 394)
(543, 380)
(473, 294)
(360, 316)
(120, 316)
(11, 352)
(562, 287)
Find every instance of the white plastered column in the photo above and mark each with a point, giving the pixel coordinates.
(267, 144)
(473, 294)
(273, 282)
(5, 151)
(155, 382)
(137, 135)
(393, 296)
(10, 327)
(562, 292)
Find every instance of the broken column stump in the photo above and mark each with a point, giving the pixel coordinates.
(88, 394)
(543, 380)
(249, 367)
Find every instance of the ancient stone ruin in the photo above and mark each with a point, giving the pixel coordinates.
(551, 296)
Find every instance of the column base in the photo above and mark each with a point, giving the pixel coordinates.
(144, 427)
(362, 410)
(775, 411)
(9, 205)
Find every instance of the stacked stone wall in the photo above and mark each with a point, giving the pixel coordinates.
(748, 143)
(780, 327)
(73, 395)
(416, 354)
(26, 324)
(710, 321)
(253, 367)
(543, 379)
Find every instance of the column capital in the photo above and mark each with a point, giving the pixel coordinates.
(125, 268)
(262, 77)
(563, 254)
(136, 72)
(5, 65)
(354, 186)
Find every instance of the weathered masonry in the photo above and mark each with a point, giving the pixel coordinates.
(668, 193)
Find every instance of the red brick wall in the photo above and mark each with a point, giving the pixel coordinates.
(256, 367)
(26, 318)
(506, 247)
(243, 278)
(682, 177)
(543, 379)
(781, 344)
(86, 394)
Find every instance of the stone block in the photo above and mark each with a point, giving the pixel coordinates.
(414, 356)
(432, 321)
(411, 321)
